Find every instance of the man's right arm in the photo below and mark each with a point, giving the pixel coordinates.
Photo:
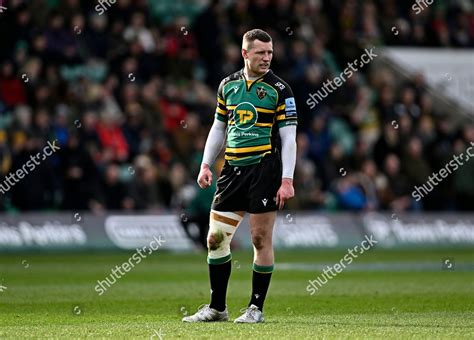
(215, 142)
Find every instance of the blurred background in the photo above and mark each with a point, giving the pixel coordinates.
(128, 90)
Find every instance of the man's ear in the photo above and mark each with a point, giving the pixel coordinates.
(244, 53)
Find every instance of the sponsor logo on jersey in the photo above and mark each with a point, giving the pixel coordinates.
(280, 86)
(245, 116)
(290, 107)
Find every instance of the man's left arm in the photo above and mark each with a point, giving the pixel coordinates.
(287, 121)
(288, 159)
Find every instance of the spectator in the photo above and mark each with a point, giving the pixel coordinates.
(114, 192)
(120, 87)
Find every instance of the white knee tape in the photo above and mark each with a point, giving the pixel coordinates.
(222, 227)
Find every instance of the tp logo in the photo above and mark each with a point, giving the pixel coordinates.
(245, 116)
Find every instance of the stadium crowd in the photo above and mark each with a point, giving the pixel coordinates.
(129, 95)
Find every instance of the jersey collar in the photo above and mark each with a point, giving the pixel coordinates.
(242, 75)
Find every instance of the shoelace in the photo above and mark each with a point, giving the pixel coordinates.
(249, 311)
(204, 309)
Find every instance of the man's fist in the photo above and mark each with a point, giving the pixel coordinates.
(205, 176)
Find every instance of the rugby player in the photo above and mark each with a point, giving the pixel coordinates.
(256, 117)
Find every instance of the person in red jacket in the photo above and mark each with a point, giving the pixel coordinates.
(111, 136)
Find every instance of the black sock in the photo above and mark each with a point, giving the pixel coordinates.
(219, 278)
(260, 283)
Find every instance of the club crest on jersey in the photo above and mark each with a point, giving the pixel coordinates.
(261, 92)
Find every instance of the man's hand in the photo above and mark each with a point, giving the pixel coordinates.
(285, 192)
(205, 176)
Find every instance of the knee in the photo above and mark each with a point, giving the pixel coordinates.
(259, 240)
(214, 241)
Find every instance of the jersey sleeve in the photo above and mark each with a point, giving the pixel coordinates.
(286, 108)
(221, 109)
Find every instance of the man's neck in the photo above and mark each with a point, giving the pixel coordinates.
(254, 76)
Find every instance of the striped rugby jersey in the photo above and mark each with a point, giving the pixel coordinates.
(254, 111)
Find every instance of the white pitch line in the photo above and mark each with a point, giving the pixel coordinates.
(378, 266)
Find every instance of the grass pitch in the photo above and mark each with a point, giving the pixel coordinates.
(390, 294)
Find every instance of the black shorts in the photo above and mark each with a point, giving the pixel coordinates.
(250, 188)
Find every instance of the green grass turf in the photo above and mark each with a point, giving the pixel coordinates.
(40, 300)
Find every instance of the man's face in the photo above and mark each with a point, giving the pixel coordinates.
(258, 57)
